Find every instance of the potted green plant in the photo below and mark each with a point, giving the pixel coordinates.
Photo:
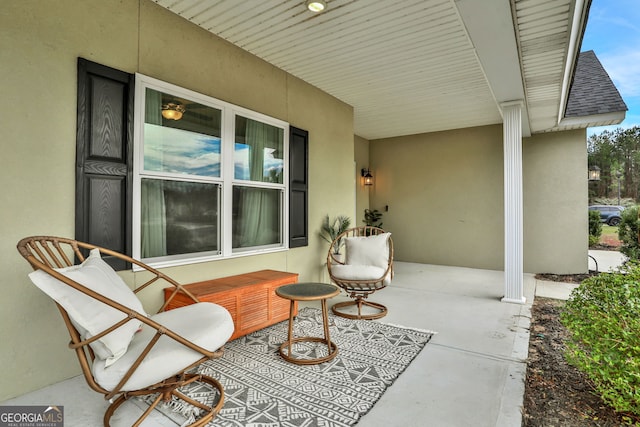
(372, 218)
(333, 228)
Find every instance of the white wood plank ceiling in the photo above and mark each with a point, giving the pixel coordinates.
(410, 66)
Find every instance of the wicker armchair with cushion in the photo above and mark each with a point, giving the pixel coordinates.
(123, 351)
(364, 268)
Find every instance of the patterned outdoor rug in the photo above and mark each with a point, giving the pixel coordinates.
(262, 389)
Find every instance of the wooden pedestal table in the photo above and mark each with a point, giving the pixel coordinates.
(308, 292)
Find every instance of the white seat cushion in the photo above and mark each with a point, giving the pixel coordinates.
(369, 250)
(89, 315)
(360, 272)
(205, 324)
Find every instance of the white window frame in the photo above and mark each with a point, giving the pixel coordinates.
(226, 179)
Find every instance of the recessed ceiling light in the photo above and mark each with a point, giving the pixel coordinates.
(316, 5)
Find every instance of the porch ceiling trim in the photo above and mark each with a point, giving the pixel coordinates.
(413, 66)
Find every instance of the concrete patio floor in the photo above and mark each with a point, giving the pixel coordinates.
(470, 374)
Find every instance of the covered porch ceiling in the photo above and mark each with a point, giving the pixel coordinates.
(414, 66)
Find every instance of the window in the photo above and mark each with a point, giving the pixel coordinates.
(210, 179)
(257, 189)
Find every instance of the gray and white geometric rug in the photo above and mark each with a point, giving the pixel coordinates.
(262, 389)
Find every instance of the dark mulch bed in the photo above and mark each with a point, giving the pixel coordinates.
(605, 247)
(557, 394)
(566, 278)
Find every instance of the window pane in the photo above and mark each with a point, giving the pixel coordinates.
(257, 214)
(259, 151)
(178, 218)
(187, 145)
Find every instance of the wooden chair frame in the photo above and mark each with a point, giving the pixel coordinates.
(358, 290)
(48, 253)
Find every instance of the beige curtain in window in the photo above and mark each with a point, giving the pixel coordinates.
(153, 221)
(259, 208)
(153, 224)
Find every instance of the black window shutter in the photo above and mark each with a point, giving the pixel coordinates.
(104, 157)
(298, 187)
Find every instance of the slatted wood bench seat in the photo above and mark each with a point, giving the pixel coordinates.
(249, 297)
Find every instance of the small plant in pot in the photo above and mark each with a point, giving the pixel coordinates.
(372, 218)
(333, 228)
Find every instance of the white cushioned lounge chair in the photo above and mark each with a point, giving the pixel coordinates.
(365, 267)
(123, 351)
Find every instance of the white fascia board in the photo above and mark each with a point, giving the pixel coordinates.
(578, 24)
(593, 120)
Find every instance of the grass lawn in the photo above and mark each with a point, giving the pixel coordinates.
(609, 235)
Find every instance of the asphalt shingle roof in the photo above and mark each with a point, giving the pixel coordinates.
(592, 91)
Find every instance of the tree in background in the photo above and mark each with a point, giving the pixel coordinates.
(615, 152)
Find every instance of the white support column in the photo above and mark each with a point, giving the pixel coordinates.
(513, 235)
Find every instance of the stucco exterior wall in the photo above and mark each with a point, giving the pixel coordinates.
(556, 220)
(38, 60)
(444, 193)
(446, 204)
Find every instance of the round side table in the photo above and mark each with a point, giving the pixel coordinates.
(308, 292)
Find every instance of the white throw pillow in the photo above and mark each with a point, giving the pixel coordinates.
(90, 315)
(369, 250)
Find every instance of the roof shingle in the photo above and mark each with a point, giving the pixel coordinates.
(592, 91)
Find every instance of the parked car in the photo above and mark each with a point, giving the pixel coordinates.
(609, 214)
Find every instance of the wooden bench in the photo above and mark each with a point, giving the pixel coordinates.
(249, 297)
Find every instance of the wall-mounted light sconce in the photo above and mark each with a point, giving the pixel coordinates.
(172, 111)
(594, 173)
(316, 6)
(367, 178)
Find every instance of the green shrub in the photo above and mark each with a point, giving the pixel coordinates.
(628, 233)
(603, 318)
(595, 227)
